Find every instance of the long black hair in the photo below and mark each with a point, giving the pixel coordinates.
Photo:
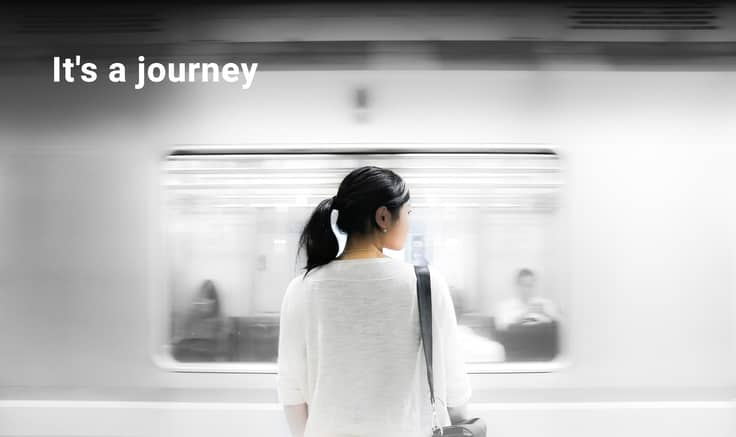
(360, 194)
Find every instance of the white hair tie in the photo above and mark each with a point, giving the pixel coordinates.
(341, 237)
(333, 221)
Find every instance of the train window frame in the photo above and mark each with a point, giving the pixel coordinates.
(160, 297)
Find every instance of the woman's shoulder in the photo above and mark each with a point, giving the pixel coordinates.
(437, 280)
(435, 273)
(440, 289)
(295, 288)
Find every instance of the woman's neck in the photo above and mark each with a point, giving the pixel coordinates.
(358, 248)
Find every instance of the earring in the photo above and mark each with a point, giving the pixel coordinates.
(385, 230)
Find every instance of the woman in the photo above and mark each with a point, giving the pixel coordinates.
(350, 359)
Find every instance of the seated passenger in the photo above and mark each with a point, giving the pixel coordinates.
(525, 308)
(205, 335)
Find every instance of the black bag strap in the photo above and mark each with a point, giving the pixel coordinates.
(424, 299)
(475, 426)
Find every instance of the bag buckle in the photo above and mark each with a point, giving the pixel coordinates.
(436, 428)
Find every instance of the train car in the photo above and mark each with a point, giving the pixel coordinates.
(580, 153)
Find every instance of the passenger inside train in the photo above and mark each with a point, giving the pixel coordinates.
(524, 307)
(205, 334)
(526, 324)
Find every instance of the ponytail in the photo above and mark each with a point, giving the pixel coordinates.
(317, 237)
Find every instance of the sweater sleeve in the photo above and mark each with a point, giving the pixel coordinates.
(457, 382)
(292, 348)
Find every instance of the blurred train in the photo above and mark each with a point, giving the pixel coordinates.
(147, 236)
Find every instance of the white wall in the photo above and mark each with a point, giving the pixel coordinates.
(649, 162)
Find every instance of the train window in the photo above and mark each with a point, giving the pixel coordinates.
(486, 218)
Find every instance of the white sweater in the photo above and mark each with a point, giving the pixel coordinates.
(349, 347)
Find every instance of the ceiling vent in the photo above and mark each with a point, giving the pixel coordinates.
(56, 23)
(644, 16)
